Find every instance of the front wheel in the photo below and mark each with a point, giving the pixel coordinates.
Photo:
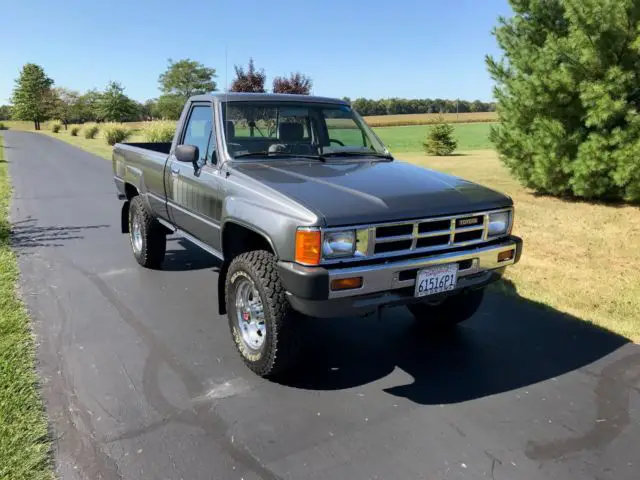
(265, 329)
(453, 310)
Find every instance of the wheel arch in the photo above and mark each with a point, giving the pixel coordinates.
(238, 238)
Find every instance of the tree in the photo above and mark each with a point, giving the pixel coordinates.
(168, 107)
(115, 106)
(5, 112)
(89, 106)
(250, 81)
(569, 98)
(66, 106)
(187, 77)
(440, 139)
(32, 97)
(296, 83)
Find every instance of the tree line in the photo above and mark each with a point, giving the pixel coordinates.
(402, 106)
(36, 98)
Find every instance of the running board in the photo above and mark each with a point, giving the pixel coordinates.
(192, 239)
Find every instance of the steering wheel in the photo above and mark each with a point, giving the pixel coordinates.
(336, 141)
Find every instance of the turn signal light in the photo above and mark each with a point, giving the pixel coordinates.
(308, 246)
(346, 283)
(504, 256)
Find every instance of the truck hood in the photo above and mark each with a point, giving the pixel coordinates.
(360, 192)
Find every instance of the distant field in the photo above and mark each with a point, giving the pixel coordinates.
(470, 136)
(427, 118)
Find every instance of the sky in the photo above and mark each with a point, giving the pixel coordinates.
(353, 48)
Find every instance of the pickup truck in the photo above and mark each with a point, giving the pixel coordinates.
(309, 214)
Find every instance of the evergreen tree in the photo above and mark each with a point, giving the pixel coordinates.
(440, 139)
(568, 91)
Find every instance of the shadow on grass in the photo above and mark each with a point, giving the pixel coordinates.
(511, 342)
(614, 203)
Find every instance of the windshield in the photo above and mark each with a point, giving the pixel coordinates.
(259, 128)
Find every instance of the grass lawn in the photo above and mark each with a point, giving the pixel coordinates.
(579, 258)
(24, 443)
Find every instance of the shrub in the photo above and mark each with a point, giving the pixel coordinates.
(440, 139)
(91, 132)
(55, 127)
(74, 131)
(160, 132)
(3, 126)
(115, 133)
(567, 91)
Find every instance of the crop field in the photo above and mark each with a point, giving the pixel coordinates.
(429, 118)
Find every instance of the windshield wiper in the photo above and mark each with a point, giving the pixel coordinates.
(278, 154)
(357, 154)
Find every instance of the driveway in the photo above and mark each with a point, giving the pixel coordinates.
(141, 380)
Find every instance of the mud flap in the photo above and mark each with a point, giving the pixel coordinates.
(124, 218)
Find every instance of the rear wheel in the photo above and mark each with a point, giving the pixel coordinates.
(453, 310)
(265, 329)
(148, 238)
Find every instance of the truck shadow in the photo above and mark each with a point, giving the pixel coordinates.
(183, 256)
(510, 343)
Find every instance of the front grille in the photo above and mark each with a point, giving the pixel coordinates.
(430, 234)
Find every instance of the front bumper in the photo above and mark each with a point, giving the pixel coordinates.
(390, 283)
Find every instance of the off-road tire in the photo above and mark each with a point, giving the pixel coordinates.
(282, 343)
(154, 237)
(452, 311)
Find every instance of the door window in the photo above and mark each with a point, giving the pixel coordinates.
(199, 132)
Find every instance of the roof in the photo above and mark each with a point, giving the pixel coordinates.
(265, 97)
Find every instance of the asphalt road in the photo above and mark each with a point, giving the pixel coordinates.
(141, 380)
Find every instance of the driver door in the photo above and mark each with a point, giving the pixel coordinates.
(193, 191)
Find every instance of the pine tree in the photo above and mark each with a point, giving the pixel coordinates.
(568, 91)
(32, 98)
(440, 139)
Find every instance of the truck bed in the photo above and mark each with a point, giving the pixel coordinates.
(156, 147)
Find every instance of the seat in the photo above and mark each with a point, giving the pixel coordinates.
(230, 129)
(291, 132)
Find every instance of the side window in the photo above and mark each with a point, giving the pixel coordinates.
(199, 132)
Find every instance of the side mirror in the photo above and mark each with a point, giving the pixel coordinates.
(187, 153)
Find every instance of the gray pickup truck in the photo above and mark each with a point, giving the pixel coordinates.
(310, 215)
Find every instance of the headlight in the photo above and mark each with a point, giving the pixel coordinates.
(339, 244)
(499, 223)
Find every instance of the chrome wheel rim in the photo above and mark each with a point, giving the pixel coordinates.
(136, 235)
(250, 315)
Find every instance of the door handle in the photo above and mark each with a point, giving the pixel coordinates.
(175, 170)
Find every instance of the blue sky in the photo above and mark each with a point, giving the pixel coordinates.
(374, 49)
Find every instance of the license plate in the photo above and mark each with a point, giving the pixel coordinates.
(437, 279)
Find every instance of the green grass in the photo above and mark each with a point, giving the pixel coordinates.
(470, 136)
(24, 443)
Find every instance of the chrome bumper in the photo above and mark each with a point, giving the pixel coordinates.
(386, 277)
